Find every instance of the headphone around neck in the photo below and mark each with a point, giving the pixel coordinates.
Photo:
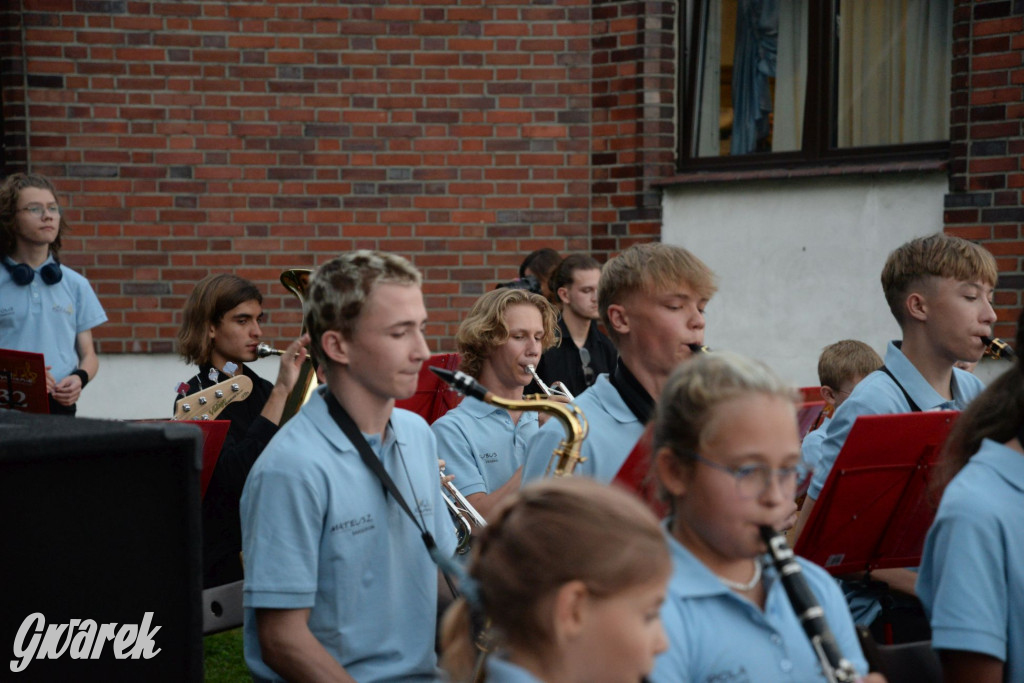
(22, 273)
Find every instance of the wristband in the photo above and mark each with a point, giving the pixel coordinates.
(82, 375)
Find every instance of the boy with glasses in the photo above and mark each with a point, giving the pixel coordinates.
(841, 367)
(45, 307)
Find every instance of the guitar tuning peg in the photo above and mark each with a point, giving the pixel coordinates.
(202, 400)
(235, 388)
(219, 393)
(186, 407)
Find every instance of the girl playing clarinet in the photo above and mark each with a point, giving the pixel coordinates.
(727, 455)
(972, 572)
(571, 576)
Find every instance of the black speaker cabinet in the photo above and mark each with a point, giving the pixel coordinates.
(100, 576)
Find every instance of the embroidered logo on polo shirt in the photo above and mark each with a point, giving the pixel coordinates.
(356, 526)
(69, 309)
(740, 675)
(6, 310)
(489, 458)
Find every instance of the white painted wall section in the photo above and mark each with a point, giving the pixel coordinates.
(798, 260)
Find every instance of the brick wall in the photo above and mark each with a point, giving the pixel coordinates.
(193, 137)
(986, 199)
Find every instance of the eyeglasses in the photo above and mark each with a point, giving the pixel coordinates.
(752, 481)
(588, 372)
(38, 210)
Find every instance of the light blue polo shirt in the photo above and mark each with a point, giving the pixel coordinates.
(715, 634)
(481, 445)
(503, 671)
(614, 431)
(877, 394)
(319, 532)
(46, 319)
(810, 447)
(972, 572)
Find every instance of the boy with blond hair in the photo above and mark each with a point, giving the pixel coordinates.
(939, 289)
(841, 367)
(339, 583)
(484, 445)
(651, 299)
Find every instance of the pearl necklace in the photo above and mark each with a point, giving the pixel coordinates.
(743, 587)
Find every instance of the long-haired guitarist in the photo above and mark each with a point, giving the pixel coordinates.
(219, 332)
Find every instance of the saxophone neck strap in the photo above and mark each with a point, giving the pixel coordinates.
(913, 406)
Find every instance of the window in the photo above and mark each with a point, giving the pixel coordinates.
(775, 82)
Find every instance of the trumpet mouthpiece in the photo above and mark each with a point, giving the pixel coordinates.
(699, 348)
(264, 350)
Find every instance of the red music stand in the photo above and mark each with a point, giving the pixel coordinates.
(23, 382)
(874, 512)
(214, 433)
(635, 474)
(433, 397)
(808, 416)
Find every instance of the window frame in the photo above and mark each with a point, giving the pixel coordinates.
(820, 105)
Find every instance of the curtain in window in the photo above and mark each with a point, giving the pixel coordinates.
(790, 77)
(894, 71)
(710, 78)
(757, 37)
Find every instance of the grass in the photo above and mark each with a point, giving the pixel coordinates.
(222, 658)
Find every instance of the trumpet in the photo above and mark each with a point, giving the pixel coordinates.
(463, 514)
(997, 349)
(556, 388)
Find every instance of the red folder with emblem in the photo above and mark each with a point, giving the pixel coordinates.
(23, 381)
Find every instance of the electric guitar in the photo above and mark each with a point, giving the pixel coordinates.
(208, 403)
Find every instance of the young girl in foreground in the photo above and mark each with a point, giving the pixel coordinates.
(571, 575)
(727, 455)
(972, 571)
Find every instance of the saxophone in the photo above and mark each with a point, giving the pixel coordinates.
(567, 455)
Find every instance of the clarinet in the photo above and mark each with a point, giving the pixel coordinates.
(835, 667)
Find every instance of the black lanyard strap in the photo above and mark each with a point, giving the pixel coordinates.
(369, 458)
(913, 406)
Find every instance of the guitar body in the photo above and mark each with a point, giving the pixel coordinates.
(208, 403)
